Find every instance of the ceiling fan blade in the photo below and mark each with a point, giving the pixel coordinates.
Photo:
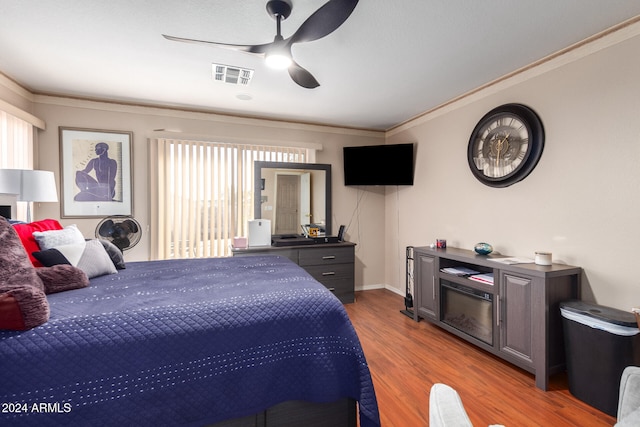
(324, 21)
(302, 77)
(258, 49)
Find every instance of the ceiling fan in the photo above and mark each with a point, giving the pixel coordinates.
(321, 23)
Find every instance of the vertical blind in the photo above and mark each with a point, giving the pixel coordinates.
(202, 194)
(16, 143)
(16, 149)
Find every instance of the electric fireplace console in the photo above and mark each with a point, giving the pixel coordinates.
(517, 317)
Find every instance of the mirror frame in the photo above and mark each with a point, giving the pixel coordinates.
(257, 185)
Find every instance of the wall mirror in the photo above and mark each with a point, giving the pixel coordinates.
(291, 195)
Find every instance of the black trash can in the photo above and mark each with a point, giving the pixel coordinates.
(599, 343)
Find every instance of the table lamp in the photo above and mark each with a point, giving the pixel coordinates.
(29, 186)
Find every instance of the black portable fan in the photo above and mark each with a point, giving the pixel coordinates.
(123, 231)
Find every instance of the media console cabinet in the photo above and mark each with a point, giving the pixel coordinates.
(332, 264)
(516, 318)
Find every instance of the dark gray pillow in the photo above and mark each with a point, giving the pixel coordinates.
(114, 253)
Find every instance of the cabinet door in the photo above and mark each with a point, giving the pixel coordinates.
(426, 289)
(515, 321)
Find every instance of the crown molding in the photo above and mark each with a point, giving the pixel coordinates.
(605, 39)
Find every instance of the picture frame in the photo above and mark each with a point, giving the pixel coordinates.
(95, 172)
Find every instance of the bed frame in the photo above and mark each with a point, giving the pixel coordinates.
(341, 413)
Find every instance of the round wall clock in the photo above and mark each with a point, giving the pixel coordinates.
(505, 145)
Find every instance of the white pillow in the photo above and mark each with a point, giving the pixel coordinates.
(90, 257)
(95, 260)
(52, 238)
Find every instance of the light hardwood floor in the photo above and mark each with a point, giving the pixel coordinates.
(406, 358)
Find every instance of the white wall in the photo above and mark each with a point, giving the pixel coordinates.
(143, 120)
(581, 202)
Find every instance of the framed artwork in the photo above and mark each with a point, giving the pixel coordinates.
(95, 171)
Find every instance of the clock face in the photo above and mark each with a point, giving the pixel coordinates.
(505, 145)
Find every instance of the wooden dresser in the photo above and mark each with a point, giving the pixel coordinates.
(331, 264)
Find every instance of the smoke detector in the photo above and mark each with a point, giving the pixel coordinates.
(232, 75)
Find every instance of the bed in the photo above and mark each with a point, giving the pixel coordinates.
(220, 341)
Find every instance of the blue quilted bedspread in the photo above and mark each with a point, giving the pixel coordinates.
(184, 342)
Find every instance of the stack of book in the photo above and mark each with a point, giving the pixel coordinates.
(459, 271)
(483, 278)
(470, 273)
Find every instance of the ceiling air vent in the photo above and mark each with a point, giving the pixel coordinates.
(233, 75)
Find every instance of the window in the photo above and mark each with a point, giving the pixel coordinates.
(202, 194)
(16, 142)
(16, 149)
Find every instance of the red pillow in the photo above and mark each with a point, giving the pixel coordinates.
(25, 231)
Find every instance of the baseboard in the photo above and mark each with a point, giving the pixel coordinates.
(395, 290)
(370, 287)
(381, 286)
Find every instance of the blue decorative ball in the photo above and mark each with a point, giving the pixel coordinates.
(483, 248)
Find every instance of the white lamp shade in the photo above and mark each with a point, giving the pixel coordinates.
(10, 181)
(29, 185)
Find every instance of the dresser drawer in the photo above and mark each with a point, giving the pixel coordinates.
(340, 286)
(339, 281)
(325, 273)
(292, 254)
(343, 289)
(330, 255)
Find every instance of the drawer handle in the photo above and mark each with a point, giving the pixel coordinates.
(329, 273)
(332, 289)
(329, 257)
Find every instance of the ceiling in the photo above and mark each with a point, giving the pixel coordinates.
(383, 66)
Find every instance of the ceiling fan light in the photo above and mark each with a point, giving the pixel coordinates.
(278, 61)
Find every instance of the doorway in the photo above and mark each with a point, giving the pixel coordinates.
(293, 203)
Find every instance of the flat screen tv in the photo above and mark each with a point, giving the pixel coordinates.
(378, 165)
